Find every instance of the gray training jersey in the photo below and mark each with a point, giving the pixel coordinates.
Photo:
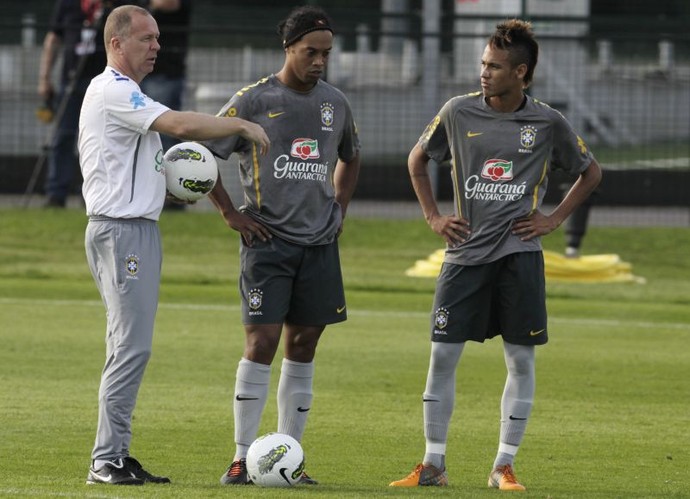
(499, 171)
(290, 190)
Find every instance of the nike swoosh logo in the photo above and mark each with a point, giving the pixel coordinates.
(106, 478)
(302, 409)
(240, 398)
(473, 134)
(511, 417)
(340, 310)
(534, 333)
(275, 115)
(282, 473)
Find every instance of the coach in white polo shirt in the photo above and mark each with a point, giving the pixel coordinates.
(124, 190)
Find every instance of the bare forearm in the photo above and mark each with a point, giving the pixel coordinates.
(51, 44)
(190, 125)
(417, 164)
(345, 180)
(221, 200)
(578, 193)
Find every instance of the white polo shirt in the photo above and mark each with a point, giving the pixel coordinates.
(120, 161)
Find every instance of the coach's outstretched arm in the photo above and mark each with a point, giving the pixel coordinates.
(191, 125)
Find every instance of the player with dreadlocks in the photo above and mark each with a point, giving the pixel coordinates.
(295, 203)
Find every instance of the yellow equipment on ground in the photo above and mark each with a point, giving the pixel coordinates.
(557, 268)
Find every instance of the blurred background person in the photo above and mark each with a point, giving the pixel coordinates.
(76, 32)
(576, 224)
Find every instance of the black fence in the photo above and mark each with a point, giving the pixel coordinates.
(625, 88)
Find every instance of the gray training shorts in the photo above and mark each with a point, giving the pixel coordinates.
(506, 297)
(282, 281)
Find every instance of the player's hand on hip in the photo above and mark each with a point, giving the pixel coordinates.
(248, 228)
(454, 230)
(535, 225)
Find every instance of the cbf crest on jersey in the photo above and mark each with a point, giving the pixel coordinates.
(327, 116)
(132, 266)
(528, 136)
(255, 299)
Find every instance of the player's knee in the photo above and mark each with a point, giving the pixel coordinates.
(260, 349)
(301, 348)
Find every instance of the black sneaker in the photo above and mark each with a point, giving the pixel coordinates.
(135, 468)
(306, 480)
(236, 474)
(112, 474)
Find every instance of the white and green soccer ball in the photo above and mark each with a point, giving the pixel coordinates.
(191, 171)
(275, 460)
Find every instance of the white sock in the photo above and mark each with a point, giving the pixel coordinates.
(251, 392)
(294, 397)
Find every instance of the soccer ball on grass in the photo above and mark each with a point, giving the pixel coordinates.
(191, 171)
(275, 460)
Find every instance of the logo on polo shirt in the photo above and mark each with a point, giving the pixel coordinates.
(305, 149)
(296, 166)
(138, 100)
(528, 136)
(498, 169)
(327, 116)
(500, 188)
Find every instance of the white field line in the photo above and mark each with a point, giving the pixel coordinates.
(47, 493)
(353, 313)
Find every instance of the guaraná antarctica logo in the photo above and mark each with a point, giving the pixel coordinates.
(498, 169)
(305, 149)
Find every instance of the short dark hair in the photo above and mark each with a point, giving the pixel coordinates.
(517, 38)
(303, 20)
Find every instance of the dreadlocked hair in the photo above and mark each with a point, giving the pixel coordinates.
(303, 20)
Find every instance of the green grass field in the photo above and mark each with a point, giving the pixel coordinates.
(610, 419)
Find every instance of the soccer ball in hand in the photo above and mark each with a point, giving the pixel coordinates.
(275, 460)
(191, 171)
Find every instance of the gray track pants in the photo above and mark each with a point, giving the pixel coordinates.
(125, 259)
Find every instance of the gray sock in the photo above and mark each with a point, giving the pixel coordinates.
(517, 400)
(439, 399)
